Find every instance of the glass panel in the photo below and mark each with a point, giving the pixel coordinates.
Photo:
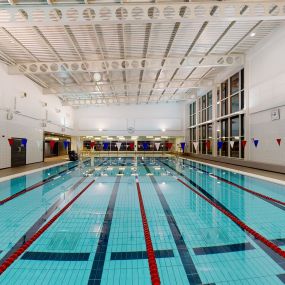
(194, 107)
(204, 132)
(235, 126)
(209, 113)
(209, 95)
(204, 102)
(224, 128)
(234, 103)
(224, 89)
(209, 131)
(224, 107)
(204, 116)
(234, 80)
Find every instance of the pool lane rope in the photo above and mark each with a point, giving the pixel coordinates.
(240, 223)
(27, 244)
(149, 247)
(240, 187)
(33, 187)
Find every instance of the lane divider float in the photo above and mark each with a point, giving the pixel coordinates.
(28, 243)
(149, 247)
(240, 223)
(241, 187)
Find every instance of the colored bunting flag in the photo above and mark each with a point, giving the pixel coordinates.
(11, 141)
(195, 145)
(65, 144)
(278, 141)
(220, 144)
(145, 145)
(243, 143)
(105, 145)
(132, 145)
(182, 146)
(232, 143)
(52, 143)
(169, 145)
(118, 144)
(208, 145)
(256, 142)
(24, 142)
(157, 145)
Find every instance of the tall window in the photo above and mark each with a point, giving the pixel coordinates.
(192, 139)
(230, 100)
(192, 114)
(205, 107)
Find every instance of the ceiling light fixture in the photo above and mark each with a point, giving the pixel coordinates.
(97, 76)
(252, 34)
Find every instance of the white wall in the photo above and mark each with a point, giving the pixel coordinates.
(265, 70)
(27, 124)
(146, 119)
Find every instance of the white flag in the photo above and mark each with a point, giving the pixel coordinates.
(232, 143)
(195, 145)
(157, 146)
(118, 144)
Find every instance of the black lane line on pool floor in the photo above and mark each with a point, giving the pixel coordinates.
(281, 277)
(187, 262)
(274, 256)
(223, 248)
(100, 255)
(38, 224)
(265, 198)
(56, 256)
(133, 255)
(38, 184)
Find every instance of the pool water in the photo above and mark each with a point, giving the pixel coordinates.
(141, 221)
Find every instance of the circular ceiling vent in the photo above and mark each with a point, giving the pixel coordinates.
(131, 130)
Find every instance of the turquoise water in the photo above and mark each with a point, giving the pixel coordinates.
(99, 239)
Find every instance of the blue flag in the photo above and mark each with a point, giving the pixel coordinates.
(220, 144)
(182, 146)
(105, 145)
(145, 145)
(65, 144)
(255, 142)
(24, 142)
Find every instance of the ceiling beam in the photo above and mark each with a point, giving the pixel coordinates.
(140, 13)
(92, 88)
(121, 64)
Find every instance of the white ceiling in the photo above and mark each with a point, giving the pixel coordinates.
(141, 52)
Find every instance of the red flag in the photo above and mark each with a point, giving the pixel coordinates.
(52, 143)
(11, 141)
(278, 141)
(208, 145)
(132, 145)
(243, 143)
(169, 145)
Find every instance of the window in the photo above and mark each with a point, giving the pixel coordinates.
(192, 114)
(228, 119)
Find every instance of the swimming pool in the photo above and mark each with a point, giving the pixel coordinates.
(141, 221)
